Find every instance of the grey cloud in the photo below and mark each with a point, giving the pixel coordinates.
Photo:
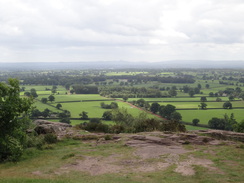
(114, 29)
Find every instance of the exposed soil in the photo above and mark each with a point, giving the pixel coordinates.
(152, 152)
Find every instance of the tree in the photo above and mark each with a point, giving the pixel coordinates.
(239, 127)
(231, 98)
(28, 94)
(51, 98)
(46, 113)
(114, 105)
(84, 115)
(35, 113)
(125, 98)
(199, 86)
(203, 99)
(195, 121)
(33, 93)
(241, 95)
(176, 116)
(72, 91)
(13, 120)
(227, 105)
(44, 100)
(172, 93)
(166, 111)
(191, 93)
(203, 105)
(230, 122)
(58, 106)
(217, 123)
(122, 117)
(211, 94)
(154, 107)
(207, 86)
(218, 99)
(107, 115)
(65, 120)
(140, 102)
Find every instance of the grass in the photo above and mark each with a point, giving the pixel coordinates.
(42, 107)
(205, 115)
(183, 105)
(190, 127)
(65, 98)
(227, 159)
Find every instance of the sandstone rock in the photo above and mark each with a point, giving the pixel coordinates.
(45, 127)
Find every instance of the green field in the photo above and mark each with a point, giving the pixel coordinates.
(64, 98)
(205, 115)
(42, 107)
(94, 108)
(183, 105)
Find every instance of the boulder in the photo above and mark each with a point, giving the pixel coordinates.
(45, 127)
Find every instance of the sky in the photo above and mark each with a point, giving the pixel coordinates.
(115, 30)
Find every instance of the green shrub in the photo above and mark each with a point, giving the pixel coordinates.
(50, 138)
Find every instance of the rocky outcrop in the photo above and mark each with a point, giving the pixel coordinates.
(45, 127)
(223, 135)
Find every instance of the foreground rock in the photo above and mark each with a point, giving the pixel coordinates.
(223, 135)
(45, 127)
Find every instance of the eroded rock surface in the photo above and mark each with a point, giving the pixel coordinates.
(45, 127)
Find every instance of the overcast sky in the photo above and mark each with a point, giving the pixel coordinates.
(112, 30)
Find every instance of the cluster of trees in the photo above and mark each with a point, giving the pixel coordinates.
(84, 89)
(50, 98)
(112, 105)
(131, 92)
(32, 93)
(191, 91)
(230, 92)
(227, 123)
(85, 79)
(168, 112)
(125, 122)
(36, 113)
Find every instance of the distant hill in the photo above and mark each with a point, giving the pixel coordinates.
(121, 65)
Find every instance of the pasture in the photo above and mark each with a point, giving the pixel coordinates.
(205, 115)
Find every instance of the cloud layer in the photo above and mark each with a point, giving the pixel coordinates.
(138, 30)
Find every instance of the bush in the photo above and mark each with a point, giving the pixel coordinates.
(33, 140)
(65, 120)
(172, 126)
(95, 120)
(50, 138)
(195, 121)
(95, 127)
(117, 129)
